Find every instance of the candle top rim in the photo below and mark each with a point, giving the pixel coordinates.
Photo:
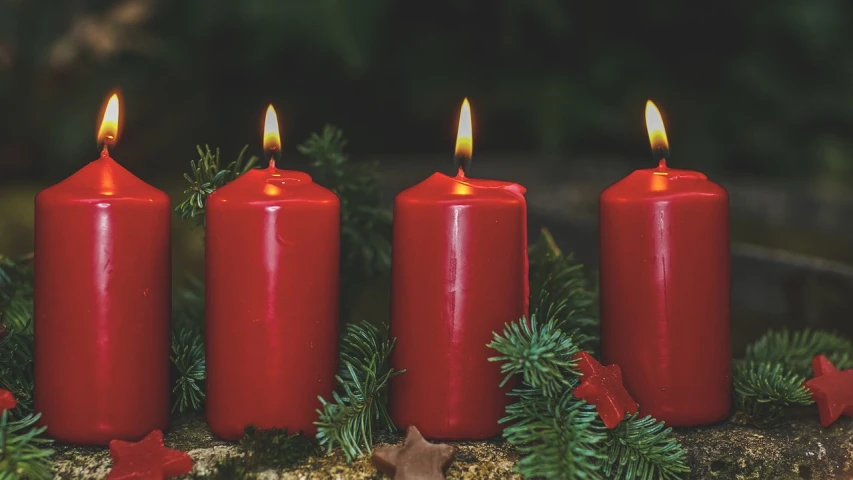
(657, 183)
(272, 185)
(102, 180)
(444, 188)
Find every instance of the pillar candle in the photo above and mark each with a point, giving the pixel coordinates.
(271, 299)
(664, 259)
(102, 302)
(459, 273)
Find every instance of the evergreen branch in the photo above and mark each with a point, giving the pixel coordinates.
(555, 277)
(539, 352)
(16, 370)
(560, 438)
(16, 293)
(349, 418)
(365, 222)
(765, 391)
(643, 449)
(206, 175)
(23, 454)
(795, 350)
(189, 370)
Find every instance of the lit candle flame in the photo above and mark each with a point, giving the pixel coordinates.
(657, 133)
(108, 132)
(464, 137)
(272, 139)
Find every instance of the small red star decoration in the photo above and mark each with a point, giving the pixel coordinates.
(7, 400)
(147, 459)
(602, 386)
(832, 390)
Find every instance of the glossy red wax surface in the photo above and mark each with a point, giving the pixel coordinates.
(102, 306)
(272, 263)
(665, 289)
(459, 273)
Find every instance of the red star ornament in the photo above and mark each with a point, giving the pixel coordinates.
(602, 386)
(832, 390)
(147, 459)
(7, 400)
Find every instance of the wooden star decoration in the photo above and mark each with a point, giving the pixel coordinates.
(415, 459)
(147, 459)
(7, 400)
(602, 386)
(832, 390)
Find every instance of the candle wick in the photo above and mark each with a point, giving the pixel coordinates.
(461, 172)
(272, 162)
(662, 164)
(105, 152)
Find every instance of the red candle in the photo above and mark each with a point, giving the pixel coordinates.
(459, 273)
(271, 298)
(665, 320)
(102, 302)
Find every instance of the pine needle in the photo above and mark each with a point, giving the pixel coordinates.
(795, 350)
(23, 454)
(764, 392)
(206, 175)
(539, 352)
(189, 371)
(643, 449)
(559, 438)
(349, 419)
(556, 279)
(365, 220)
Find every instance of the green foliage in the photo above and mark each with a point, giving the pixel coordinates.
(539, 352)
(23, 454)
(207, 174)
(189, 370)
(764, 392)
(16, 348)
(796, 350)
(643, 449)
(16, 370)
(560, 435)
(365, 222)
(556, 279)
(348, 420)
(188, 360)
(769, 380)
(560, 438)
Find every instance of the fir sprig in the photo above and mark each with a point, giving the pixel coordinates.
(189, 370)
(16, 348)
(556, 278)
(795, 350)
(206, 175)
(188, 360)
(365, 221)
(554, 429)
(16, 370)
(768, 382)
(349, 419)
(643, 449)
(559, 437)
(539, 352)
(23, 454)
(764, 392)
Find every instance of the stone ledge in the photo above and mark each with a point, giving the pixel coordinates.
(799, 449)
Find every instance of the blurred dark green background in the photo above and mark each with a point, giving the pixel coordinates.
(758, 95)
(761, 88)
